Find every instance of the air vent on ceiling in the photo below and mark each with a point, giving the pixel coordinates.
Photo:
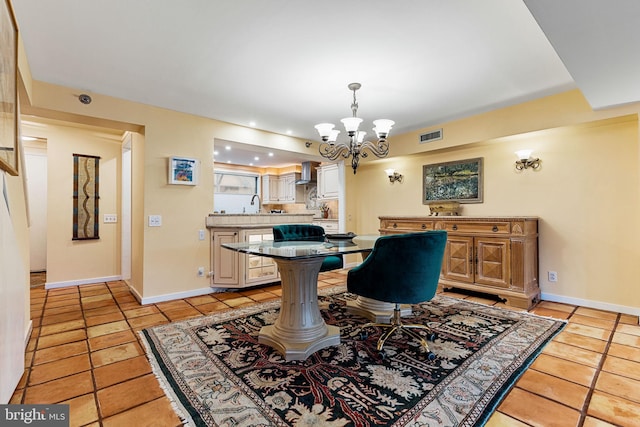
(431, 136)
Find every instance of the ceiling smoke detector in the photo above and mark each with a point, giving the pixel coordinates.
(85, 99)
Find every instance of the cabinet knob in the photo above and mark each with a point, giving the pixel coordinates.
(424, 226)
(455, 227)
(395, 225)
(495, 228)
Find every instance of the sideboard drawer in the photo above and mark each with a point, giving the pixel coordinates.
(407, 226)
(477, 227)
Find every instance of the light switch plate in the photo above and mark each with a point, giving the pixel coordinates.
(109, 218)
(155, 220)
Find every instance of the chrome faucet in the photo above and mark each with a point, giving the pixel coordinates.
(259, 202)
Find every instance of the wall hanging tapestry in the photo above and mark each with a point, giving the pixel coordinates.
(217, 374)
(459, 181)
(86, 196)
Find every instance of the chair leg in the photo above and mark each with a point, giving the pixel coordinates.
(396, 325)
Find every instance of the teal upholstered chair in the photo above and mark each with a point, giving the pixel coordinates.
(309, 233)
(401, 269)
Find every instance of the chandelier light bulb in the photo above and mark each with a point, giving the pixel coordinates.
(351, 124)
(360, 137)
(324, 129)
(333, 135)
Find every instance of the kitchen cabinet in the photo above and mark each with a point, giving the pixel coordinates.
(328, 182)
(282, 189)
(235, 270)
(495, 255)
(258, 269)
(225, 262)
(330, 225)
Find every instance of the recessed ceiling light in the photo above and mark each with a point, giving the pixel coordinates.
(252, 124)
(228, 161)
(28, 138)
(227, 148)
(215, 153)
(250, 164)
(256, 158)
(289, 132)
(270, 154)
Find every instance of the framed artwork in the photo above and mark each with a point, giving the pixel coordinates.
(458, 181)
(86, 197)
(8, 89)
(183, 171)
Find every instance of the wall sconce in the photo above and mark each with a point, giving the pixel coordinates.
(525, 160)
(393, 175)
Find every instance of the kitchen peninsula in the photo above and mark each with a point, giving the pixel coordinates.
(231, 269)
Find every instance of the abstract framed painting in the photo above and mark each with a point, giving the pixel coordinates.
(183, 171)
(86, 197)
(8, 89)
(457, 181)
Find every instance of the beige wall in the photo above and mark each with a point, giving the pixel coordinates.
(586, 194)
(79, 260)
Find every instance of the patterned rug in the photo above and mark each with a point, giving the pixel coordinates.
(217, 374)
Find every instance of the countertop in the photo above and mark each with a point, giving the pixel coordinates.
(262, 220)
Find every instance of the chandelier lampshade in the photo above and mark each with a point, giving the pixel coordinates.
(355, 147)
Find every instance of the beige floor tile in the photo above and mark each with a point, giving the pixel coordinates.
(626, 339)
(202, 299)
(107, 328)
(626, 368)
(629, 329)
(594, 422)
(60, 390)
(148, 321)
(629, 319)
(615, 410)
(64, 317)
(576, 354)
(237, 302)
(546, 312)
(173, 305)
(100, 311)
(600, 314)
(581, 341)
(120, 397)
(537, 410)
(62, 327)
(593, 321)
(110, 340)
(182, 313)
(62, 338)
(141, 311)
(153, 414)
(59, 368)
(116, 354)
(104, 318)
(60, 352)
(554, 388)
(566, 369)
(117, 372)
(588, 331)
(625, 352)
(620, 386)
(557, 306)
(498, 419)
(82, 410)
(213, 307)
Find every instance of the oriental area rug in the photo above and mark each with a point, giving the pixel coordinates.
(216, 373)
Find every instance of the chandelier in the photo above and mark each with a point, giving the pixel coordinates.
(356, 145)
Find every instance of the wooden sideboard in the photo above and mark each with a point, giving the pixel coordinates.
(495, 255)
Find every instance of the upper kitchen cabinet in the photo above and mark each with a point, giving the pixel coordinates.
(328, 182)
(282, 189)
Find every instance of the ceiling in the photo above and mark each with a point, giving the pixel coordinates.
(284, 65)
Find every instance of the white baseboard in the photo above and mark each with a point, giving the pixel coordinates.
(599, 305)
(173, 296)
(27, 334)
(53, 285)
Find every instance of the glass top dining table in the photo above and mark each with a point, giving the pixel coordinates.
(300, 330)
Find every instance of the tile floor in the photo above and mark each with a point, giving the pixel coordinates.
(85, 351)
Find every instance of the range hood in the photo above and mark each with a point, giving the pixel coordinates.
(307, 175)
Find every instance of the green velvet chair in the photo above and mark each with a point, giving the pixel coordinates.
(401, 269)
(309, 233)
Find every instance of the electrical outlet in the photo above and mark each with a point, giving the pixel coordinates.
(201, 234)
(200, 271)
(553, 276)
(155, 220)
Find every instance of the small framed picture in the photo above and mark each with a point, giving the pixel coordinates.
(183, 171)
